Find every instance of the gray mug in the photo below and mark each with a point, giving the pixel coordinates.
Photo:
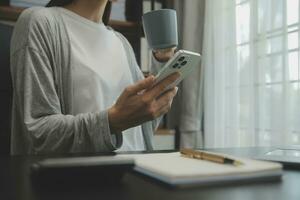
(160, 27)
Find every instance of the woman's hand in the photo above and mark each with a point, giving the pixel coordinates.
(163, 55)
(141, 102)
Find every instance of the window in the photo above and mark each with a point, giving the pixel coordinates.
(260, 49)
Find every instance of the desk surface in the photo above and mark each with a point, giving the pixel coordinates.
(15, 184)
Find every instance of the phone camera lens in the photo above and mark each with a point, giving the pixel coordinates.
(175, 65)
(181, 58)
(183, 63)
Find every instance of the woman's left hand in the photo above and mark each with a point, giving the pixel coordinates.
(163, 55)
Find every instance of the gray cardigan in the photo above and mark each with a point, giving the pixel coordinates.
(42, 120)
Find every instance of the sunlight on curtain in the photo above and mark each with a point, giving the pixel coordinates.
(251, 60)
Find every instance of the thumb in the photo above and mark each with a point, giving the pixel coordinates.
(140, 85)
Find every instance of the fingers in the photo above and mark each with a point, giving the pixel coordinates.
(139, 86)
(162, 86)
(167, 103)
(163, 110)
(163, 104)
(167, 97)
(164, 55)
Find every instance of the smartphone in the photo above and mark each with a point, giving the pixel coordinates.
(183, 62)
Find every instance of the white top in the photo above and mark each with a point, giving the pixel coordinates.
(101, 71)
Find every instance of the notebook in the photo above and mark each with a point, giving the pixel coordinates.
(173, 169)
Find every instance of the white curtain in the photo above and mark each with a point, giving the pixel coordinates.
(251, 64)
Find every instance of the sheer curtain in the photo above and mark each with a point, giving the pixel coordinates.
(251, 62)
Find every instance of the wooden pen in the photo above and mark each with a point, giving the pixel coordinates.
(202, 155)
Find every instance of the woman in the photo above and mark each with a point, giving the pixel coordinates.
(77, 86)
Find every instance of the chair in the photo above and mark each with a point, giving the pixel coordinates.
(5, 88)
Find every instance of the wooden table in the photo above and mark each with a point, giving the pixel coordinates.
(15, 184)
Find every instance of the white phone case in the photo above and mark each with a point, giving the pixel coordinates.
(183, 62)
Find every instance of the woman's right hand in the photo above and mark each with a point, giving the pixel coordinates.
(141, 102)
